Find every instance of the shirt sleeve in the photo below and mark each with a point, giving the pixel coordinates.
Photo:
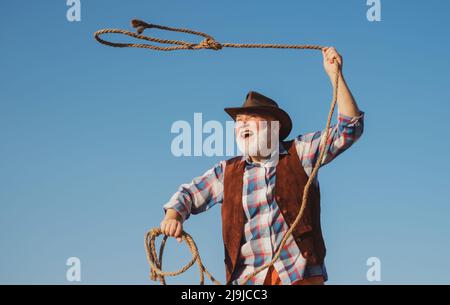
(341, 136)
(201, 194)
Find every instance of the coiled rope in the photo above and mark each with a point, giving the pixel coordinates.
(209, 42)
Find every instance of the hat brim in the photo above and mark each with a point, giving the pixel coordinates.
(277, 113)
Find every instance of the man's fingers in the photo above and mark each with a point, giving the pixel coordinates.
(163, 227)
(173, 227)
(178, 230)
(338, 58)
(330, 50)
(166, 228)
(334, 56)
(331, 57)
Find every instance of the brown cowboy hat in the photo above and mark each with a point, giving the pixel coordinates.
(260, 104)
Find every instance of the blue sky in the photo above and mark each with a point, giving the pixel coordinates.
(85, 161)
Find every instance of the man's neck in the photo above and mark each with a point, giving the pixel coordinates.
(259, 159)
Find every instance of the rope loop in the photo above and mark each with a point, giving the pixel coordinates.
(155, 260)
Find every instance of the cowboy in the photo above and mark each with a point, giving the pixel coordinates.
(261, 191)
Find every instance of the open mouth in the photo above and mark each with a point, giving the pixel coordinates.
(245, 134)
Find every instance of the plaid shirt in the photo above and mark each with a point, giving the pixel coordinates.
(265, 227)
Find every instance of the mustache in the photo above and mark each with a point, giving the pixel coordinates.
(245, 130)
(247, 133)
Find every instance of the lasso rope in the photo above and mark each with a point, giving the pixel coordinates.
(209, 42)
(155, 262)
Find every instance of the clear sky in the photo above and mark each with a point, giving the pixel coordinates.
(85, 160)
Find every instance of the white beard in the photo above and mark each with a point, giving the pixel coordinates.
(257, 143)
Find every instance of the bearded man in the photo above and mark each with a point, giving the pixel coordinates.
(261, 191)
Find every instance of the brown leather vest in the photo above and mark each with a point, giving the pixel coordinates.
(290, 182)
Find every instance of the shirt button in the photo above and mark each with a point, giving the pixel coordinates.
(306, 254)
(277, 198)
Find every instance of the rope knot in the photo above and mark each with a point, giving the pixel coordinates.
(210, 43)
(140, 25)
